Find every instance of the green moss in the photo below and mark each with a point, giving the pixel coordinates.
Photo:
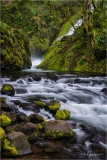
(58, 134)
(41, 104)
(39, 125)
(7, 87)
(8, 150)
(15, 49)
(36, 134)
(54, 107)
(66, 26)
(2, 100)
(4, 120)
(62, 114)
(2, 133)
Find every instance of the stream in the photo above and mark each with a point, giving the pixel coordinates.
(82, 94)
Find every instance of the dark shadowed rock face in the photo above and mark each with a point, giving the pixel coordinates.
(19, 141)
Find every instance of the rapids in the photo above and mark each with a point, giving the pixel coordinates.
(81, 94)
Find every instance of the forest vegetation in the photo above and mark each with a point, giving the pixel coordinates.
(43, 21)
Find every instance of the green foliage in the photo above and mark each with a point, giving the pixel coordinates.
(100, 40)
(14, 48)
(8, 150)
(43, 18)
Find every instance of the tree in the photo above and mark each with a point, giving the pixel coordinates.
(88, 22)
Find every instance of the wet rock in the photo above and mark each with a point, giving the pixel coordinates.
(54, 105)
(5, 107)
(30, 106)
(12, 128)
(8, 89)
(37, 77)
(17, 102)
(11, 115)
(30, 130)
(36, 118)
(104, 90)
(21, 91)
(19, 141)
(56, 129)
(21, 117)
(2, 100)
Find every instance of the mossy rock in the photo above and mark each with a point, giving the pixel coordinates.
(41, 103)
(2, 134)
(8, 150)
(54, 105)
(40, 127)
(62, 114)
(5, 107)
(36, 118)
(56, 129)
(2, 100)
(5, 121)
(8, 90)
(30, 130)
(11, 115)
(15, 52)
(15, 144)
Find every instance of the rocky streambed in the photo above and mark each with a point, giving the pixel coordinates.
(56, 125)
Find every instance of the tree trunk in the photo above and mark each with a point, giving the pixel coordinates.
(88, 22)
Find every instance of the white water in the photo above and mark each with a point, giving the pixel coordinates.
(71, 30)
(81, 95)
(35, 62)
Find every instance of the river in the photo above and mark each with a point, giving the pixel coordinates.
(80, 93)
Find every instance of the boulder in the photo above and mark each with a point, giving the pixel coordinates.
(56, 129)
(36, 118)
(16, 144)
(54, 105)
(5, 107)
(12, 128)
(30, 130)
(62, 114)
(30, 106)
(37, 77)
(11, 115)
(104, 90)
(2, 100)
(8, 90)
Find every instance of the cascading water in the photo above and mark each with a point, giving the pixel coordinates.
(83, 95)
(35, 62)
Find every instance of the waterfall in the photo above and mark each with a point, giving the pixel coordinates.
(71, 30)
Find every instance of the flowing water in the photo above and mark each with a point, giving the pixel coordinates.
(81, 94)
